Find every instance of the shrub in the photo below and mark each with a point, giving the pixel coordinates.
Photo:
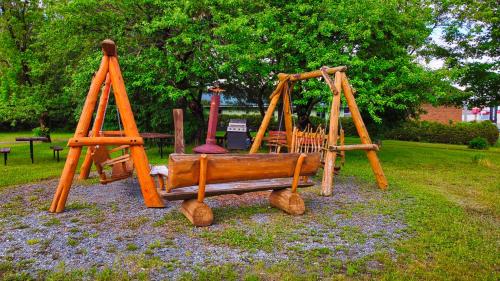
(424, 131)
(478, 143)
(455, 133)
(42, 132)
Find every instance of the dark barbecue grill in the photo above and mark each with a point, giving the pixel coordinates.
(237, 134)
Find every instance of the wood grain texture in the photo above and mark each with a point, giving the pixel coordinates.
(288, 201)
(287, 113)
(238, 188)
(184, 169)
(197, 213)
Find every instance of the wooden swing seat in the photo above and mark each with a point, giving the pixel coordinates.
(197, 176)
(121, 167)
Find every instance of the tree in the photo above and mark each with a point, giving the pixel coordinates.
(470, 33)
(376, 40)
(19, 24)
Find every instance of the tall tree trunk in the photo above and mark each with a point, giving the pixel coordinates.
(303, 113)
(260, 104)
(43, 120)
(196, 109)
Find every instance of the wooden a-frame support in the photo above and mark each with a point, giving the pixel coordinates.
(110, 73)
(340, 84)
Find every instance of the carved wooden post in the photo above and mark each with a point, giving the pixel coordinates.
(179, 131)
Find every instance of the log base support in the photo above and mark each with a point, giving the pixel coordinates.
(287, 201)
(197, 213)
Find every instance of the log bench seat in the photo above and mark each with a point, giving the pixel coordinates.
(193, 177)
(242, 187)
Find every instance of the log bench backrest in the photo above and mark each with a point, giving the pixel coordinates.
(184, 169)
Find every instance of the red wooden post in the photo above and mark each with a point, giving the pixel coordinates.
(210, 146)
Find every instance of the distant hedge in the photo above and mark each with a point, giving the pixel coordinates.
(454, 133)
(424, 131)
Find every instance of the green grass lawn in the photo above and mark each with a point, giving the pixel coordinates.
(449, 195)
(19, 169)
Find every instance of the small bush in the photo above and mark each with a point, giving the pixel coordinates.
(478, 143)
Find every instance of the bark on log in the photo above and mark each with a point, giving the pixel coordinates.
(197, 213)
(288, 201)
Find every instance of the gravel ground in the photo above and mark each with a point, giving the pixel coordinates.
(108, 226)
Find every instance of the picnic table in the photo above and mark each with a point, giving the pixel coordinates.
(31, 140)
(159, 137)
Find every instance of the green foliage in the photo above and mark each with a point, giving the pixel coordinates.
(455, 133)
(171, 50)
(478, 143)
(470, 43)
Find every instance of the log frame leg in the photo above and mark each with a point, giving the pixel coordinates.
(66, 180)
(267, 117)
(289, 200)
(363, 134)
(64, 185)
(148, 188)
(330, 157)
(96, 128)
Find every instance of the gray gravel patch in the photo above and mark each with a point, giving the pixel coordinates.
(108, 226)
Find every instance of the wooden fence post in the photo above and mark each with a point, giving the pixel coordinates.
(179, 131)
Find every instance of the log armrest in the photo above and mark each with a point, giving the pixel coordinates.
(296, 173)
(203, 177)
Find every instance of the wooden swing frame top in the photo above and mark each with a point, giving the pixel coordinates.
(337, 86)
(109, 68)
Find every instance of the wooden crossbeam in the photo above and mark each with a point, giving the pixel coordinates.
(90, 141)
(311, 74)
(353, 147)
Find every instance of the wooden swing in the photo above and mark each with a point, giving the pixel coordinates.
(340, 84)
(128, 139)
(311, 141)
